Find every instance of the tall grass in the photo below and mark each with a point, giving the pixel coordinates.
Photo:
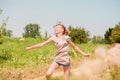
(13, 54)
(15, 61)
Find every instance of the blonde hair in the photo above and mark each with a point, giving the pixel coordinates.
(66, 31)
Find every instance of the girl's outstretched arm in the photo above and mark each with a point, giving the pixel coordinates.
(78, 49)
(39, 45)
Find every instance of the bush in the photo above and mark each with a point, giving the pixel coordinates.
(79, 35)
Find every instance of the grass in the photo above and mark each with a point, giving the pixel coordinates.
(16, 63)
(13, 54)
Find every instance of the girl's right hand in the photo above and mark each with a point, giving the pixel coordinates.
(28, 48)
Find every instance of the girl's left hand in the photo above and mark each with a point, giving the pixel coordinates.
(87, 54)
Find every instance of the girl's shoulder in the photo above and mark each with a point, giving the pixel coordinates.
(53, 37)
(67, 37)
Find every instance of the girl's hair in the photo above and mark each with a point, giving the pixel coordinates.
(66, 31)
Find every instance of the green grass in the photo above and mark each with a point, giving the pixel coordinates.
(13, 54)
(13, 57)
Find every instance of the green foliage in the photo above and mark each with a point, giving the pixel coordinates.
(115, 35)
(97, 40)
(9, 33)
(31, 30)
(89, 48)
(107, 35)
(13, 54)
(112, 73)
(1, 38)
(4, 31)
(79, 35)
(5, 55)
(46, 36)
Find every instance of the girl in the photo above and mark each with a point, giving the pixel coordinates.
(62, 51)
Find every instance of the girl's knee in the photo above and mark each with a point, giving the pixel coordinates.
(48, 75)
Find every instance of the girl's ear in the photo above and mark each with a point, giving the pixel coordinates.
(67, 32)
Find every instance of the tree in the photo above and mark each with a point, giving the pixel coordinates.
(46, 36)
(115, 35)
(31, 30)
(4, 31)
(97, 39)
(107, 35)
(9, 33)
(78, 34)
(2, 27)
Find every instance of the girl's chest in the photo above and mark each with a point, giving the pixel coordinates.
(61, 42)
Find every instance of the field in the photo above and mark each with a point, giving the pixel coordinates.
(18, 64)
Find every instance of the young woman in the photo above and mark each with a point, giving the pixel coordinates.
(62, 58)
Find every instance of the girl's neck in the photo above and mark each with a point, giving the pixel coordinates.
(59, 35)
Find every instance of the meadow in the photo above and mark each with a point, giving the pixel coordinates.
(18, 64)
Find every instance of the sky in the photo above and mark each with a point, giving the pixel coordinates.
(96, 16)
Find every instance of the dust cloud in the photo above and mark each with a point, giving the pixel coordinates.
(105, 58)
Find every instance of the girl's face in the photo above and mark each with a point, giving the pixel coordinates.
(59, 29)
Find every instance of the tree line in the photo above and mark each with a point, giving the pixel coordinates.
(77, 34)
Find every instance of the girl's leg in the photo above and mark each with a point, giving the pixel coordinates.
(66, 72)
(51, 69)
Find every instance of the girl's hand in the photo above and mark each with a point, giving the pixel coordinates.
(86, 54)
(28, 48)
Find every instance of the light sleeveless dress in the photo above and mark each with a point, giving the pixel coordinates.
(62, 50)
